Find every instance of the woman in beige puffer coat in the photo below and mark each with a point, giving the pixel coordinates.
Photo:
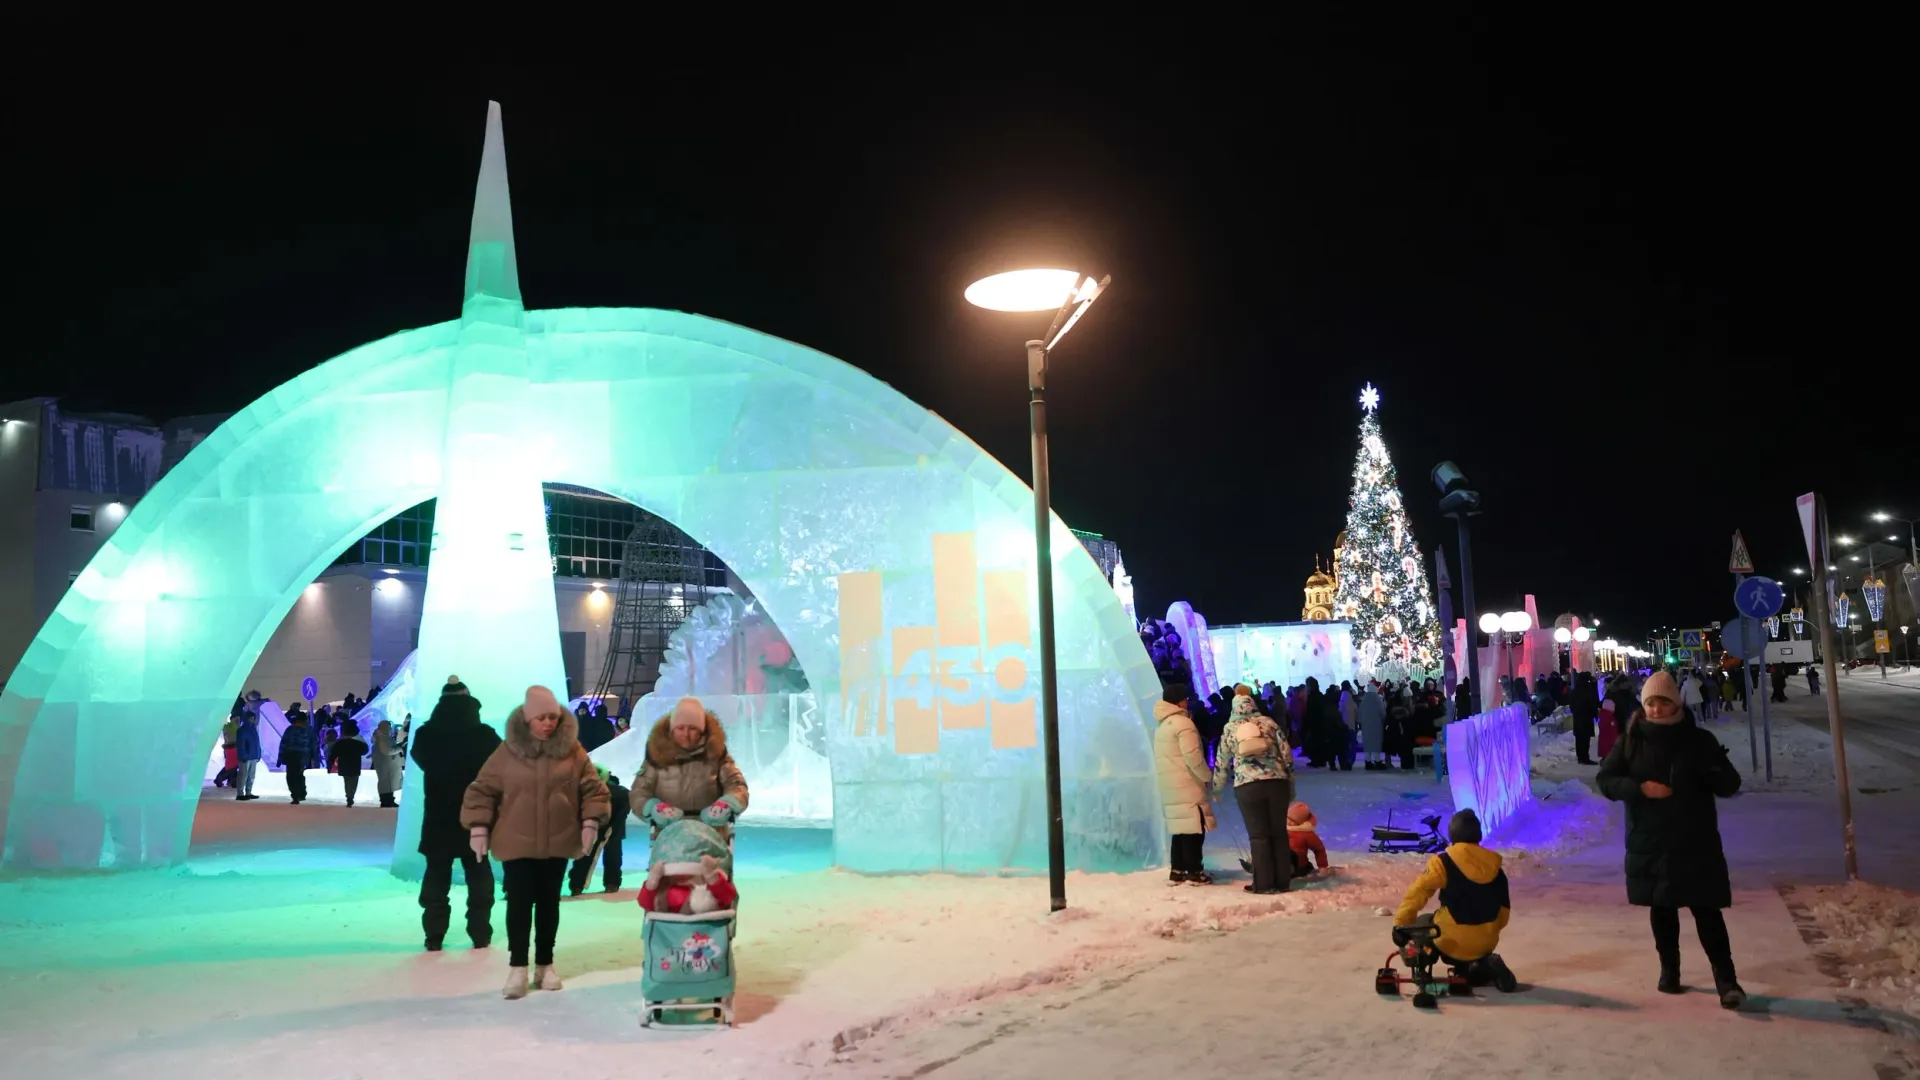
(1180, 766)
(538, 802)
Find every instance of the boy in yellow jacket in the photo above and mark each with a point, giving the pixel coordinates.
(1474, 906)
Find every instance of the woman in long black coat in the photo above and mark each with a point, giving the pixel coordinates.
(1669, 772)
(1585, 705)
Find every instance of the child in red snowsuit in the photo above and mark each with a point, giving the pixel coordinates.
(1303, 838)
(688, 888)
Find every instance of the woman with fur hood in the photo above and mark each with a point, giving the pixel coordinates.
(537, 804)
(688, 770)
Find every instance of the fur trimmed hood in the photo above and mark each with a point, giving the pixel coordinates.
(521, 741)
(662, 751)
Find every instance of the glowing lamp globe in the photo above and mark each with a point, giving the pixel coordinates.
(1581, 633)
(1025, 290)
(1516, 622)
(1489, 623)
(1562, 635)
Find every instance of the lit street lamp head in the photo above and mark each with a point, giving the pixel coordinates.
(1025, 290)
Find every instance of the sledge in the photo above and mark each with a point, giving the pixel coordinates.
(1413, 946)
(1391, 838)
(688, 976)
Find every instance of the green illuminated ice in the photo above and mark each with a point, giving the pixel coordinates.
(804, 474)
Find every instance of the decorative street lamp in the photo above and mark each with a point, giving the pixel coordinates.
(1508, 629)
(1068, 295)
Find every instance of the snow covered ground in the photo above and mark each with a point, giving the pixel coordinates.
(283, 944)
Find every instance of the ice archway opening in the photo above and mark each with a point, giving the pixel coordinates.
(889, 548)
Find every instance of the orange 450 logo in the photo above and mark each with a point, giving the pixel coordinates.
(967, 671)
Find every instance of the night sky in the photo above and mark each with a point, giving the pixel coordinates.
(1622, 277)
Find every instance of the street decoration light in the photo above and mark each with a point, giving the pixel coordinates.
(1068, 295)
(1507, 629)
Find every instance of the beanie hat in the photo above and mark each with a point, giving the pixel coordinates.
(541, 702)
(688, 712)
(1299, 814)
(1660, 684)
(1464, 828)
(454, 686)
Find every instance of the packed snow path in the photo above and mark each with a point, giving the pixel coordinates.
(283, 944)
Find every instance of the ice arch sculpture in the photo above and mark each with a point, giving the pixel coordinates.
(895, 555)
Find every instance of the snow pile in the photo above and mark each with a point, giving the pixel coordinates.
(1874, 933)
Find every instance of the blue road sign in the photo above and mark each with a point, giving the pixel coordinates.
(309, 688)
(1743, 639)
(1758, 597)
(1690, 639)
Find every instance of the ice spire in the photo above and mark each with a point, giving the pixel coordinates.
(490, 263)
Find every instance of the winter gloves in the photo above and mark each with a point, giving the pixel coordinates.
(659, 813)
(722, 812)
(477, 840)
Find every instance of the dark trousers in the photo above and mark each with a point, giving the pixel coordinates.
(1712, 926)
(297, 784)
(1263, 806)
(1582, 740)
(436, 913)
(533, 904)
(1186, 852)
(609, 868)
(351, 781)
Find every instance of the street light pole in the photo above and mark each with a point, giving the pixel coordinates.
(1043, 560)
(1043, 290)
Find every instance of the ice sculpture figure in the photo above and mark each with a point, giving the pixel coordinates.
(895, 555)
(1285, 653)
(1196, 645)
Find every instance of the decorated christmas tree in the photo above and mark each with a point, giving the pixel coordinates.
(1383, 588)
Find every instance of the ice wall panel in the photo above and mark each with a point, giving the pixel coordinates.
(1489, 762)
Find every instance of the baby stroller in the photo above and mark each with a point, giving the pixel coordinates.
(1391, 838)
(689, 966)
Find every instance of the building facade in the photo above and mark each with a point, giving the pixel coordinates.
(67, 480)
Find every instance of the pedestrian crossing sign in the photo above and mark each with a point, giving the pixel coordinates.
(1692, 639)
(1683, 657)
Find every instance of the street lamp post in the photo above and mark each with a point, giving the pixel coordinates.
(1508, 629)
(1068, 295)
(1457, 501)
(1913, 547)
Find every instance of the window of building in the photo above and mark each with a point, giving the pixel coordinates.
(80, 519)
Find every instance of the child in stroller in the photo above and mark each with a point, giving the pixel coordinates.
(689, 901)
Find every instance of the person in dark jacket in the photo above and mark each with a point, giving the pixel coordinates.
(296, 754)
(449, 750)
(596, 730)
(246, 743)
(1585, 707)
(610, 857)
(1669, 771)
(347, 751)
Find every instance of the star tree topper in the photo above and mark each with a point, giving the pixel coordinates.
(1369, 398)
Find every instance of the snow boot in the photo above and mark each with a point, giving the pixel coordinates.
(545, 978)
(1176, 877)
(1500, 974)
(433, 945)
(1729, 989)
(1670, 974)
(1199, 877)
(516, 984)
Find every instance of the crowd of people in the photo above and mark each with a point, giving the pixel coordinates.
(1658, 760)
(536, 802)
(327, 739)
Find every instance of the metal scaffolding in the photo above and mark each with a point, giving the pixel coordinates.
(663, 575)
